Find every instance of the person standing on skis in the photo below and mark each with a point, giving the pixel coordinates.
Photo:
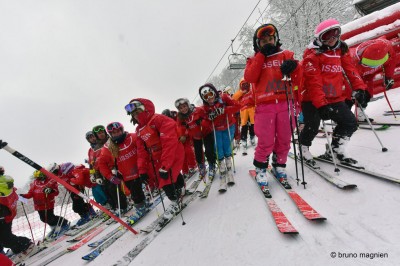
(190, 120)
(327, 63)
(265, 70)
(43, 191)
(159, 150)
(220, 110)
(245, 96)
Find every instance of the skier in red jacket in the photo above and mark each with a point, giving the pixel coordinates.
(373, 57)
(44, 190)
(159, 150)
(265, 70)
(326, 61)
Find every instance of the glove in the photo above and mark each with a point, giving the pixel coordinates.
(47, 190)
(92, 178)
(212, 115)
(144, 177)
(115, 180)
(182, 139)
(325, 112)
(22, 195)
(198, 122)
(163, 173)
(362, 97)
(389, 82)
(269, 49)
(288, 66)
(99, 181)
(219, 111)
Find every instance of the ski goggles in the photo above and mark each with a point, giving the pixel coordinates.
(181, 101)
(374, 63)
(97, 129)
(114, 126)
(207, 93)
(266, 30)
(133, 107)
(330, 34)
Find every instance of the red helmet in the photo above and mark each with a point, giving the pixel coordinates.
(373, 53)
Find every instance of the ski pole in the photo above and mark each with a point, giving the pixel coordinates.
(4, 145)
(119, 203)
(230, 140)
(45, 218)
(337, 170)
(62, 217)
(373, 130)
(384, 92)
(30, 227)
(216, 146)
(285, 79)
(178, 198)
(151, 197)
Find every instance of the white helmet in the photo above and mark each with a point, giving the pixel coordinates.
(53, 168)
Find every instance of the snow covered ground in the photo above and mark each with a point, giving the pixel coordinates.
(236, 228)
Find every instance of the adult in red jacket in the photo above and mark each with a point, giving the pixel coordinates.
(158, 150)
(373, 57)
(265, 70)
(122, 150)
(190, 120)
(8, 211)
(44, 190)
(326, 60)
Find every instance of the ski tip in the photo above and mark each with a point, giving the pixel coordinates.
(350, 186)
(294, 232)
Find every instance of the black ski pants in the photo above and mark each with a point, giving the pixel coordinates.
(8, 240)
(136, 189)
(79, 206)
(112, 192)
(247, 128)
(173, 190)
(208, 147)
(47, 216)
(344, 118)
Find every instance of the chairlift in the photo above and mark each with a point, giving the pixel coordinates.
(236, 61)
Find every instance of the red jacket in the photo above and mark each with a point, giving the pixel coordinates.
(194, 124)
(230, 106)
(80, 176)
(40, 201)
(323, 76)
(92, 157)
(157, 144)
(10, 202)
(265, 74)
(126, 161)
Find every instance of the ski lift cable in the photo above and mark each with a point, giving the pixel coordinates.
(292, 15)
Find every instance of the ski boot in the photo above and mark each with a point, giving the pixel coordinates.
(84, 219)
(262, 181)
(253, 140)
(338, 147)
(20, 257)
(202, 171)
(229, 174)
(222, 176)
(279, 172)
(243, 143)
(211, 171)
(308, 158)
(172, 210)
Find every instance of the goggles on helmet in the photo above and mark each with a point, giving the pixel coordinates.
(133, 107)
(114, 126)
(330, 34)
(267, 30)
(181, 101)
(207, 93)
(97, 129)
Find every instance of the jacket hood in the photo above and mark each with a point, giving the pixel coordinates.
(149, 110)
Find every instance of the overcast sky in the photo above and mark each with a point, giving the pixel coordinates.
(69, 65)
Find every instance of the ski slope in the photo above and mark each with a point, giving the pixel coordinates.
(236, 228)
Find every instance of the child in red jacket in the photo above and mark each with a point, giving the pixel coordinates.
(44, 190)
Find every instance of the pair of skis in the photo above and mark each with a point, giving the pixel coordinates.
(282, 222)
(153, 230)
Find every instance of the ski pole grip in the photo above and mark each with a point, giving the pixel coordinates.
(3, 144)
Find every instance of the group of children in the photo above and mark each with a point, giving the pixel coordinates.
(168, 147)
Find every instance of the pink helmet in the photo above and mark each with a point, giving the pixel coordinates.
(325, 26)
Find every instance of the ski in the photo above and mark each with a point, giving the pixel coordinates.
(148, 229)
(132, 254)
(376, 98)
(391, 114)
(281, 221)
(83, 235)
(364, 171)
(308, 212)
(379, 128)
(133, 220)
(77, 229)
(107, 243)
(207, 188)
(328, 177)
(193, 186)
(73, 247)
(390, 111)
(379, 123)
